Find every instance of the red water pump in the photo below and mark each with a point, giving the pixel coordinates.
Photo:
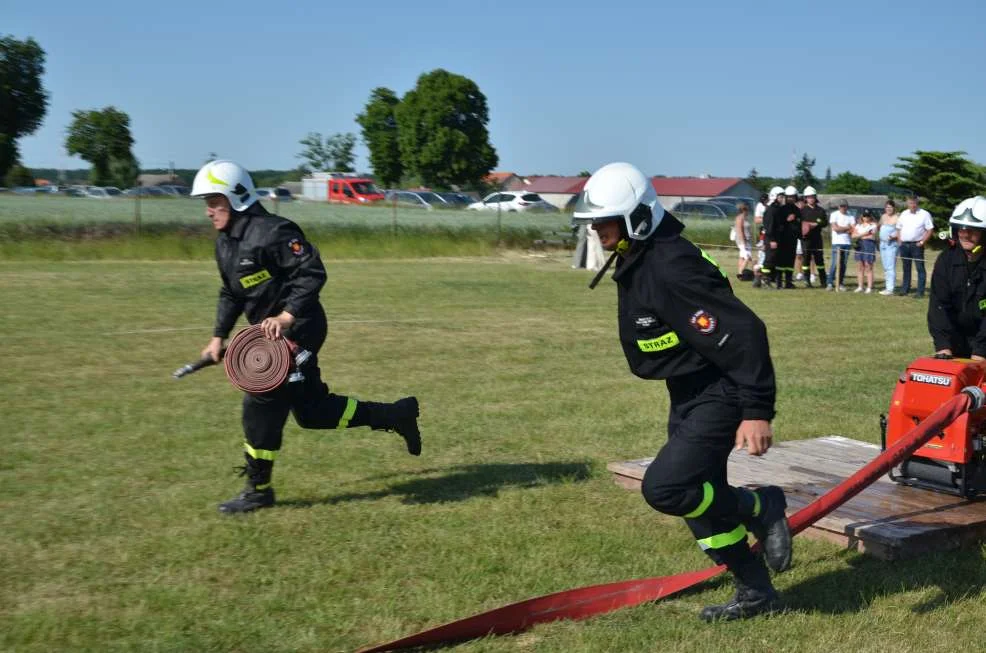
(954, 461)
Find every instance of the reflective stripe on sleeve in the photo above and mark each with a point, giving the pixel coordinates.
(667, 341)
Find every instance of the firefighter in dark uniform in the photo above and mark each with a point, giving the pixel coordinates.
(769, 268)
(680, 321)
(785, 230)
(273, 275)
(814, 219)
(958, 286)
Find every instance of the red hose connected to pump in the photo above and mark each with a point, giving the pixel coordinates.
(586, 602)
(256, 364)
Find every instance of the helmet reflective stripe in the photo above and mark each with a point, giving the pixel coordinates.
(620, 191)
(222, 177)
(970, 213)
(214, 179)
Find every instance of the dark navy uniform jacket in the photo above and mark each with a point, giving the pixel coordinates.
(678, 317)
(958, 303)
(267, 266)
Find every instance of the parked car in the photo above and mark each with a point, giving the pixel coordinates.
(457, 200)
(511, 201)
(146, 191)
(353, 190)
(732, 202)
(279, 194)
(103, 192)
(701, 209)
(415, 199)
(175, 189)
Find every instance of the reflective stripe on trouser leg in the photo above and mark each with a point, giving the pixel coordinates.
(260, 454)
(723, 540)
(347, 414)
(708, 493)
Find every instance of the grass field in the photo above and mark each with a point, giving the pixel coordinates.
(112, 470)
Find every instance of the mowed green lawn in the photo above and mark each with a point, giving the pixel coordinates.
(111, 470)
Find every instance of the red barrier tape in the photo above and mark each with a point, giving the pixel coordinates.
(587, 602)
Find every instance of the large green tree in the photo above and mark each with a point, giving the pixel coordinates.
(334, 153)
(803, 175)
(941, 179)
(102, 137)
(847, 183)
(441, 129)
(379, 129)
(23, 100)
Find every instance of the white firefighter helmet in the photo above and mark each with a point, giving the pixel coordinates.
(774, 192)
(791, 191)
(222, 177)
(809, 190)
(620, 190)
(970, 213)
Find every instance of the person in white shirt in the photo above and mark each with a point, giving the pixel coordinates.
(914, 228)
(842, 223)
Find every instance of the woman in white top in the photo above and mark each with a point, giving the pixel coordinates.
(741, 229)
(865, 235)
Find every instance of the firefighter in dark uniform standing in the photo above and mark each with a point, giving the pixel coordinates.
(785, 230)
(813, 220)
(680, 321)
(769, 269)
(273, 275)
(958, 286)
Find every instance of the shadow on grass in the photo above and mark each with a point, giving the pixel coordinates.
(955, 574)
(463, 482)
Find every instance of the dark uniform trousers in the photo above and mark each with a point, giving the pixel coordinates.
(811, 250)
(688, 476)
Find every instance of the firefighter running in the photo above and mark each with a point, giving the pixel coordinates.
(273, 275)
(680, 321)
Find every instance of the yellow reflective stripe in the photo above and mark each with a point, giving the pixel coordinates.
(252, 280)
(712, 261)
(214, 179)
(667, 341)
(262, 486)
(756, 503)
(982, 304)
(722, 540)
(259, 454)
(347, 414)
(707, 493)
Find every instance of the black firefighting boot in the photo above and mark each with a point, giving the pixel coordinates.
(400, 416)
(789, 279)
(806, 273)
(822, 277)
(258, 492)
(754, 594)
(763, 515)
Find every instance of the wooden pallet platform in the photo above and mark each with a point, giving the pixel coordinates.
(886, 520)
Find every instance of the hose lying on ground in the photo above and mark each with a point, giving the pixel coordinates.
(586, 602)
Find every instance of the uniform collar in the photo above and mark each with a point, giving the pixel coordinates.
(669, 229)
(242, 219)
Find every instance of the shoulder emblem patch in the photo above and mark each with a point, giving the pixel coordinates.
(704, 322)
(296, 246)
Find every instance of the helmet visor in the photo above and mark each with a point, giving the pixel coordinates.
(591, 212)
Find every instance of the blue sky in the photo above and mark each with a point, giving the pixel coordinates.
(676, 88)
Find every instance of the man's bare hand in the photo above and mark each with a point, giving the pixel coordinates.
(214, 349)
(274, 327)
(754, 434)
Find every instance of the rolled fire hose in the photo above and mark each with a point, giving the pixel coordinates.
(586, 602)
(256, 364)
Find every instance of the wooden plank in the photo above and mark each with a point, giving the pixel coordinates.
(886, 520)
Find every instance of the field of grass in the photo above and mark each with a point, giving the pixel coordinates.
(112, 470)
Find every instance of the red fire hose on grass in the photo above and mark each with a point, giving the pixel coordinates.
(598, 599)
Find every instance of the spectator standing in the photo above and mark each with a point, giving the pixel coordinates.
(889, 244)
(865, 233)
(741, 229)
(915, 228)
(842, 223)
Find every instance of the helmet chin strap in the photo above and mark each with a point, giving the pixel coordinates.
(620, 249)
